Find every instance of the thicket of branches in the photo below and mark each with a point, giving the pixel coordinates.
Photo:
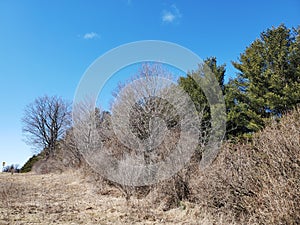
(256, 182)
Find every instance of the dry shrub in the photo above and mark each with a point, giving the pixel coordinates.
(279, 149)
(257, 182)
(65, 156)
(49, 165)
(171, 193)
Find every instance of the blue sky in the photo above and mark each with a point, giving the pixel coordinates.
(46, 46)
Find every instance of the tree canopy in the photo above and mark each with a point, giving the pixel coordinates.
(268, 80)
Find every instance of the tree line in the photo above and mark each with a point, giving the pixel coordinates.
(267, 86)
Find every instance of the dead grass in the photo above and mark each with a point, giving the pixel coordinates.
(67, 198)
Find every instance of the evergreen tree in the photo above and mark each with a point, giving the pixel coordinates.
(268, 82)
(196, 93)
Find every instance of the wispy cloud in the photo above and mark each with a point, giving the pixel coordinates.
(168, 17)
(91, 35)
(171, 15)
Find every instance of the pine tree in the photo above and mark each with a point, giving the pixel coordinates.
(197, 95)
(268, 82)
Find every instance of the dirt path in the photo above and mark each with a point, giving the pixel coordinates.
(68, 199)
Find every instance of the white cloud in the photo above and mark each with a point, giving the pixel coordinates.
(171, 15)
(168, 17)
(91, 35)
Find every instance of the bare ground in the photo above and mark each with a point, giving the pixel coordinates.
(68, 198)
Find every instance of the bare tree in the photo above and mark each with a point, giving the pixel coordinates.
(45, 122)
(150, 110)
(151, 133)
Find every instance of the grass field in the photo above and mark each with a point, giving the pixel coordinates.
(68, 198)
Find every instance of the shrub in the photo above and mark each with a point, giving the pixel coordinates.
(256, 182)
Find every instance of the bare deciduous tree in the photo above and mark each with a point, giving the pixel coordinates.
(45, 121)
(150, 134)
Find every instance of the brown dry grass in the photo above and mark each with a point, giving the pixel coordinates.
(68, 198)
